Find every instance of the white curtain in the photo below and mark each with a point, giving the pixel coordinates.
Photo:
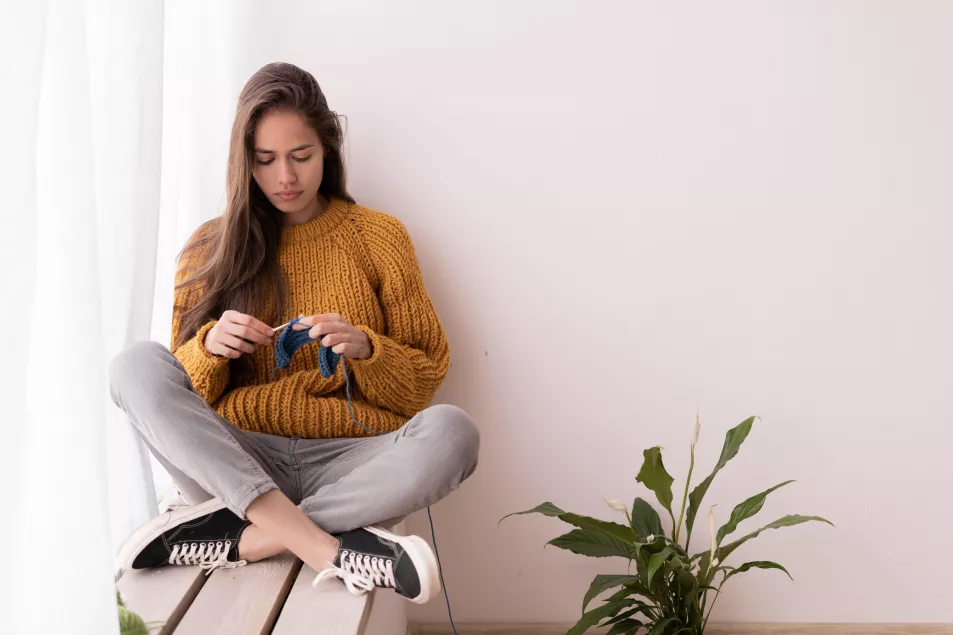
(81, 132)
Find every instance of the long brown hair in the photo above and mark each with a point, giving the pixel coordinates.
(240, 271)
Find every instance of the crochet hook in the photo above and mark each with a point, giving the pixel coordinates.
(278, 328)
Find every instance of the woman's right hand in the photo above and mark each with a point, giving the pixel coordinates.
(236, 334)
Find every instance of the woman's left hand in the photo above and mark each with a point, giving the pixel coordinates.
(337, 334)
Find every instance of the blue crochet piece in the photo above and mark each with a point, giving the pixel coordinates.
(291, 340)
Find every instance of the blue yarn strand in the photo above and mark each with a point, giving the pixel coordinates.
(350, 411)
(443, 583)
(290, 341)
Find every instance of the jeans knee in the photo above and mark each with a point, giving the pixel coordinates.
(457, 432)
(136, 364)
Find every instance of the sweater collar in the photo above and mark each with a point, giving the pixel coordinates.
(318, 226)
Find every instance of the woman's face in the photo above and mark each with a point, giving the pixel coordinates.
(289, 164)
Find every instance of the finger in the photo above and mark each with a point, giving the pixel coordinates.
(238, 344)
(247, 333)
(223, 351)
(337, 338)
(250, 322)
(326, 317)
(325, 328)
(345, 348)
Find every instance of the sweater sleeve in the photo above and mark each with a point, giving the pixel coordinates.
(410, 359)
(209, 373)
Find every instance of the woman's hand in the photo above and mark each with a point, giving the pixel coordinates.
(236, 334)
(338, 335)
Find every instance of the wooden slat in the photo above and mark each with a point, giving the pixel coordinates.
(328, 609)
(241, 601)
(388, 616)
(161, 595)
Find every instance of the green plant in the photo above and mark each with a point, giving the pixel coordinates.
(129, 622)
(668, 594)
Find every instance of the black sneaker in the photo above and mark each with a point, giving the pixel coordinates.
(205, 535)
(373, 557)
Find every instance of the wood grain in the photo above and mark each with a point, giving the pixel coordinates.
(241, 601)
(388, 616)
(161, 595)
(328, 609)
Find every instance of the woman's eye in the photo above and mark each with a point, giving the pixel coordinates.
(302, 159)
(268, 162)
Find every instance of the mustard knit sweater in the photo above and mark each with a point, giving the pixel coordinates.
(360, 264)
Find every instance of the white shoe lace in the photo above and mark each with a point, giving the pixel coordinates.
(207, 555)
(360, 572)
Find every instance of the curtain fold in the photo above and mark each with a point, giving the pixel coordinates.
(81, 118)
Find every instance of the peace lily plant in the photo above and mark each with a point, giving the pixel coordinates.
(670, 592)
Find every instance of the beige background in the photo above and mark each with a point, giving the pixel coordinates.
(624, 209)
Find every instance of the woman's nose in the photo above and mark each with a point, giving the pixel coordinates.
(286, 174)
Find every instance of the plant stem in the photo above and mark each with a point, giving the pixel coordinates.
(681, 514)
(715, 599)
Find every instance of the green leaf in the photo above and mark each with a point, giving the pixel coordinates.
(621, 594)
(641, 608)
(602, 583)
(676, 563)
(130, 623)
(733, 440)
(686, 582)
(596, 544)
(624, 615)
(635, 587)
(654, 477)
(655, 562)
(651, 548)
(622, 532)
(642, 570)
(645, 520)
(704, 575)
(624, 626)
(756, 564)
(786, 521)
(593, 617)
(546, 509)
(659, 627)
(746, 510)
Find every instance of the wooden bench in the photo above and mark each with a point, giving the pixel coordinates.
(273, 596)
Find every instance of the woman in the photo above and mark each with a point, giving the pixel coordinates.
(271, 459)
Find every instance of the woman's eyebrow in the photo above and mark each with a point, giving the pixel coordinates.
(302, 147)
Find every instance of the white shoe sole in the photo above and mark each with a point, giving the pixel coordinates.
(424, 561)
(151, 530)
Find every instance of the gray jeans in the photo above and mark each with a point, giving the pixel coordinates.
(341, 484)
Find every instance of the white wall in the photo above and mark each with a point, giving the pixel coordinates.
(624, 209)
